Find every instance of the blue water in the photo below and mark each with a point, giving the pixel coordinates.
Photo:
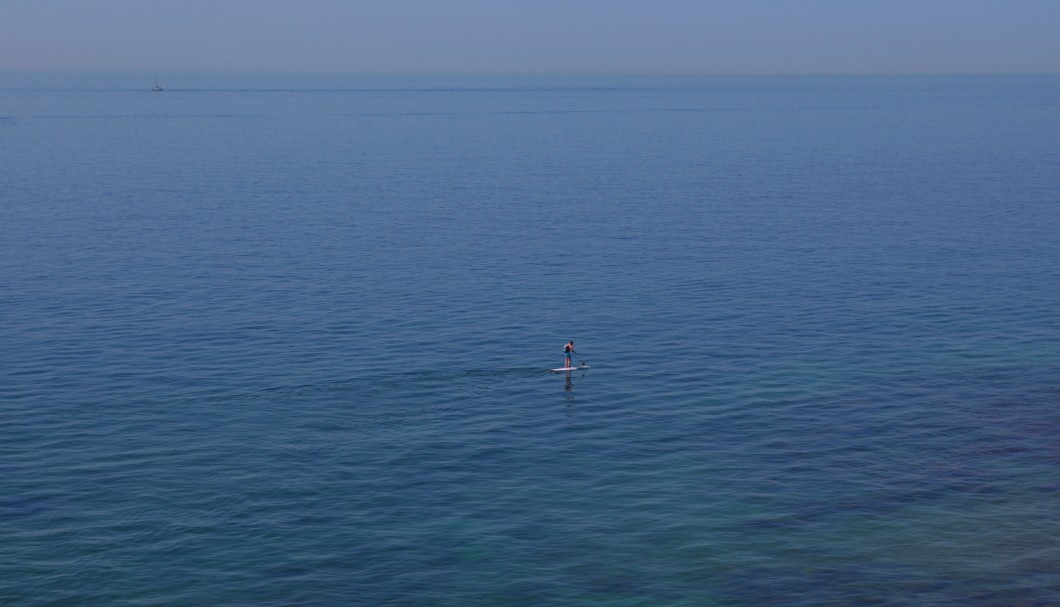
(284, 340)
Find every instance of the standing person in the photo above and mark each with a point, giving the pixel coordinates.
(567, 351)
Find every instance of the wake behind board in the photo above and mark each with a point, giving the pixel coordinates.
(569, 369)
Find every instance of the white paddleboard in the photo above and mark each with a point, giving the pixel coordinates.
(569, 369)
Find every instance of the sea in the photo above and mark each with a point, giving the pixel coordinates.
(285, 339)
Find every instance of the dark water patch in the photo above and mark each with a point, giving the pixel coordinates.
(405, 379)
(14, 508)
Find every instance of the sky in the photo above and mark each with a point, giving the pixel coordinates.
(533, 36)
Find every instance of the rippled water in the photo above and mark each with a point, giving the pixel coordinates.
(283, 340)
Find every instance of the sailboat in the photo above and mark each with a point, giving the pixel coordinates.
(158, 88)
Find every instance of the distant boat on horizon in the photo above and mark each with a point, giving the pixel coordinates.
(158, 88)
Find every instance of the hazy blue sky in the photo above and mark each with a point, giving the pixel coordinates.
(674, 36)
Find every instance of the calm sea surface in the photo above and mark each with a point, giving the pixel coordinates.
(283, 340)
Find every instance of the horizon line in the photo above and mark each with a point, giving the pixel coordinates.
(1017, 72)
